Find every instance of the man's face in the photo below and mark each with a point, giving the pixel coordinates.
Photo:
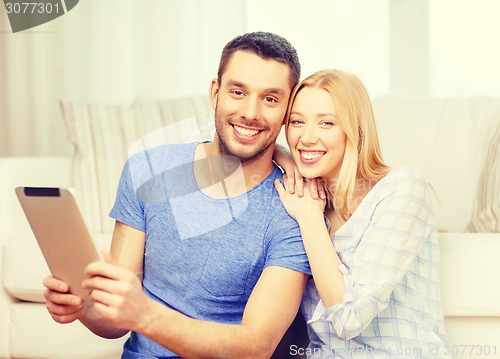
(250, 102)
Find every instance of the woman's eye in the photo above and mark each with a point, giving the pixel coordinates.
(327, 123)
(296, 122)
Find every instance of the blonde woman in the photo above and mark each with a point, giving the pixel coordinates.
(371, 244)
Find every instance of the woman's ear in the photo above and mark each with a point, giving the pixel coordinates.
(214, 92)
(360, 138)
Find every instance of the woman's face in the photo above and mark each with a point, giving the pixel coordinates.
(316, 141)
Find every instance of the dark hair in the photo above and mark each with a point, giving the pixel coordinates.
(266, 45)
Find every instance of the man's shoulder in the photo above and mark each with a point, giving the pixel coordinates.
(177, 153)
(171, 148)
(273, 201)
(268, 182)
(266, 190)
(144, 165)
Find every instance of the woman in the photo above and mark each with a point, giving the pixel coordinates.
(372, 243)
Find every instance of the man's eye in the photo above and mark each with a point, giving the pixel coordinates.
(270, 99)
(237, 92)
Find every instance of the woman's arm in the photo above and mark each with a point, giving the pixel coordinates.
(399, 225)
(323, 258)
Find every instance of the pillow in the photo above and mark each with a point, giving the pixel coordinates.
(444, 138)
(104, 135)
(486, 215)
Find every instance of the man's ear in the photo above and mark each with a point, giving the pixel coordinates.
(214, 92)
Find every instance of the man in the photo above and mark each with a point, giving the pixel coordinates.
(224, 266)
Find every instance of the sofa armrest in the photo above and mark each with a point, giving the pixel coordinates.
(470, 284)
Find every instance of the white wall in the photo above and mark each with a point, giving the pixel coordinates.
(421, 47)
(464, 47)
(348, 35)
(106, 52)
(114, 50)
(409, 47)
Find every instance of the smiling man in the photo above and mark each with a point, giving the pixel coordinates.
(205, 261)
(250, 100)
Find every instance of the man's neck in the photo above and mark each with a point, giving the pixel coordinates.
(222, 176)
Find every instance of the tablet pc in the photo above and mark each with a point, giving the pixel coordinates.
(61, 233)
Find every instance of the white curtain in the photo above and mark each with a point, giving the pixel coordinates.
(106, 52)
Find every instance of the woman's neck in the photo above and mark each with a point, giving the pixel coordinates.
(360, 189)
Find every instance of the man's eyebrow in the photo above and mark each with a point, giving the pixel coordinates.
(235, 83)
(271, 90)
(276, 91)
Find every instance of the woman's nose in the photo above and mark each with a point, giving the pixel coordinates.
(308, 135)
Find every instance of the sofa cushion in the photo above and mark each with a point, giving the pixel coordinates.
(24, 267)
(104, 135)
(470, 285)
(486, 215)
(100, 146)
(445, 139)
(33, 334)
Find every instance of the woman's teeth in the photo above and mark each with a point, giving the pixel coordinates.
(311, 155)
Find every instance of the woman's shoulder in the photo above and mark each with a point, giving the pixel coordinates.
(405, 172)
(405, 180)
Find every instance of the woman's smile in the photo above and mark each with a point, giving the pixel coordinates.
(310, 156)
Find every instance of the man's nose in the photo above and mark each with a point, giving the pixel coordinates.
(250, 108)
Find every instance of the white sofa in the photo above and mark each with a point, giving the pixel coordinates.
(447, 139)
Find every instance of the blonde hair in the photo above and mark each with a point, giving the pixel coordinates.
(362, 157)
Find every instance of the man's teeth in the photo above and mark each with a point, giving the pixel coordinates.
(311, 155)
(245, 131)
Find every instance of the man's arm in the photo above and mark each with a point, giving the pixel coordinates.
(127, 249)
(65, 307)
(271, 308)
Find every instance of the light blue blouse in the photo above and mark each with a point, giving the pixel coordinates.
(391, 307)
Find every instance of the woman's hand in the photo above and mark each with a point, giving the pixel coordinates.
(298, 207)
(295, 181)
(293, 178)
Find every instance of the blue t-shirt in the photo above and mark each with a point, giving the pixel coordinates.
(203, 256)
